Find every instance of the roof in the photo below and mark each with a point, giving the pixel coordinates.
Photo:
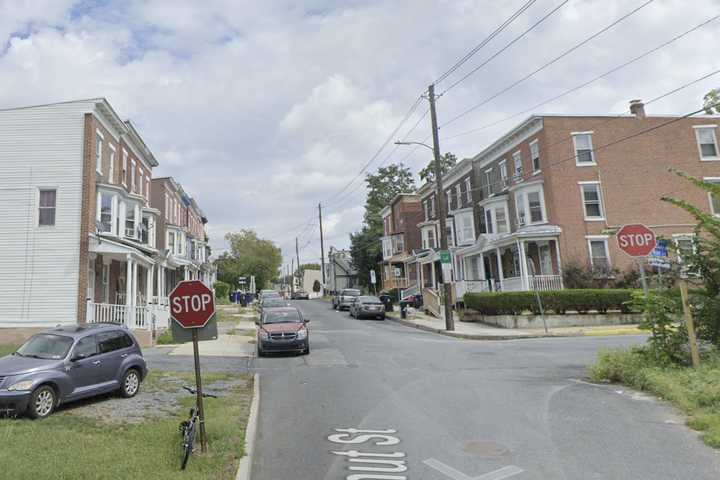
(77, 331)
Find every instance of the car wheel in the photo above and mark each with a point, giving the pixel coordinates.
(42, 402)
(307, 350)
(130, 383)
(260, 352)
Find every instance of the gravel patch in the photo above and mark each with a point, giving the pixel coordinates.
(160, 399)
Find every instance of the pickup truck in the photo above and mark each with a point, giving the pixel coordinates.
(344, 298)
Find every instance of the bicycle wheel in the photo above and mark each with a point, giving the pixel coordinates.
(186, 456)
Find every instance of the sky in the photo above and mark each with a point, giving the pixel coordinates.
(263, 109)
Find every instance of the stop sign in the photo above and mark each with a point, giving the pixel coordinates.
(192, 304)
(636, 240)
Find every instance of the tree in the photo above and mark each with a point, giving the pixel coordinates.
(316, 286)
(711, 101)
(447, 162)
(249, 255)
(382, 186)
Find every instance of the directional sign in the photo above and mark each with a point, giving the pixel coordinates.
(372, 277)
(636, 240)
(192, 304)
(444, 256)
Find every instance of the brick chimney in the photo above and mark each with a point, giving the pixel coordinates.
(637, 108)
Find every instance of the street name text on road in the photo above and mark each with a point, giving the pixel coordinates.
(377, 465)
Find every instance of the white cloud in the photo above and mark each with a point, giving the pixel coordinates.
(263, 109)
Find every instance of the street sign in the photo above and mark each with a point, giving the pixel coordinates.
(444, 256)
(192, 304)
(636, 240)
(659, 256)
(372, 277)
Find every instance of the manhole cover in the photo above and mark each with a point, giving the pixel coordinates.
(485, 449)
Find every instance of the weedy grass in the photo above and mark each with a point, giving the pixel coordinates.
(66, 446)
(694, 391)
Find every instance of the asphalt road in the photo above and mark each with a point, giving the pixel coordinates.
(459, 409)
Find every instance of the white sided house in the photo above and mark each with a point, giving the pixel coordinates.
(79, 234)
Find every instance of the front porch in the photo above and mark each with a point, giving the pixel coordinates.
(510, 264)
(127, 286)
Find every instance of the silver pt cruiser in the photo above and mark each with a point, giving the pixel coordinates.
(69, 363)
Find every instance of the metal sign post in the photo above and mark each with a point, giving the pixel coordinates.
(687, 314)
(373, 280)
(192, 305)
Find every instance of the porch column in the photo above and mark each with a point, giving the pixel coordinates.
(481, 260)
(149, 284)
(159, 273)
(128, 290)
(557, 259)
(432, 275)
(499, 265)
(525, 281)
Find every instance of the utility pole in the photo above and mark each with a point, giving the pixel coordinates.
(322, 247)
(442, 208)
(332, 255)
(292, 277)
(297, 253)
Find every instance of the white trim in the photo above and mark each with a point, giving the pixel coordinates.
(715, 180)
(712, 128)
(604, 239)
(593, 163)
(588, 132)
(99, 134)
(601, 218)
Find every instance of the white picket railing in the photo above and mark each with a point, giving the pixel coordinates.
(513, 284)
(546, 282)
(141, 317)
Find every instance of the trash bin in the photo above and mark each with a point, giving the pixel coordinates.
(387, 301)
(403, 309)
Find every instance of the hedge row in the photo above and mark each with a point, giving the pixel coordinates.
(556, 301)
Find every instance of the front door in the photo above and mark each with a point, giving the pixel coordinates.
(545, 260)
(91, 281)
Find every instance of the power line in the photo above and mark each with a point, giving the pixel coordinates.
(546, 65)
(379, 151)
(508, 45)
(586, 83)
(485, 41)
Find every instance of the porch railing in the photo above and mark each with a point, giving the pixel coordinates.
(546, 282)
(431, 301)
(512, 284)
(141, 317)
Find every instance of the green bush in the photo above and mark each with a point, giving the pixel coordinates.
(222, 290)
(557, 301)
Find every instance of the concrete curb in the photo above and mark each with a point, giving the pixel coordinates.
(245, 467)
(470, 336)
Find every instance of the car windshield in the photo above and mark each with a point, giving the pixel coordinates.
(369, 299)
(274, 302)
(46, 346)
(351, 293)
(283, 316)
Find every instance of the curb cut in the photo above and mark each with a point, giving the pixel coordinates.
(469, 336)
(245, 466)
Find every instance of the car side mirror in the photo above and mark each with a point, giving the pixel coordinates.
(257, 321)
(306, 320)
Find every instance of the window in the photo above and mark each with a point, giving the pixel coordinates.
(517, 160)
(105, 217)
(535, 206)
(145, 230)
(448, 195)
(147, 187)
(501, 220)
(521, 210)
(46, 209)
(171, 242)
(468, 190)
(432, 206)
(104, 282)
(111, 166)
(599, 255)
(130, 222)
(142, 183)
(465, 228)
(592, 201)
(488, 181)
(714, 199)
(449, 233)
(584, 154)
(503, 173)
(707, 142)
(86, 347)
(98, 153)
(431, 238)
(535, 155)
(686, 248)
(488, 221)
(112, 341)
(124, 167)
(133, 185)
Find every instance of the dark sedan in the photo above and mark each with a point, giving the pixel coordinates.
(367, 307)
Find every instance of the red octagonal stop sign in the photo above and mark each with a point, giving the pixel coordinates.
(636, 240)
(192, 304)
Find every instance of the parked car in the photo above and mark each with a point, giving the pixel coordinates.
(272, 302)
(367, 306)
(343, 299)
(69, 363)
(300, 294)
(282, 330)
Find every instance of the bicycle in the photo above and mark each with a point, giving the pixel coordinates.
(188, 429)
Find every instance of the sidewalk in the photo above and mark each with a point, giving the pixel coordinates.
(481, 331)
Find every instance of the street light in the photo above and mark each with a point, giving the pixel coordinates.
(415, 143)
